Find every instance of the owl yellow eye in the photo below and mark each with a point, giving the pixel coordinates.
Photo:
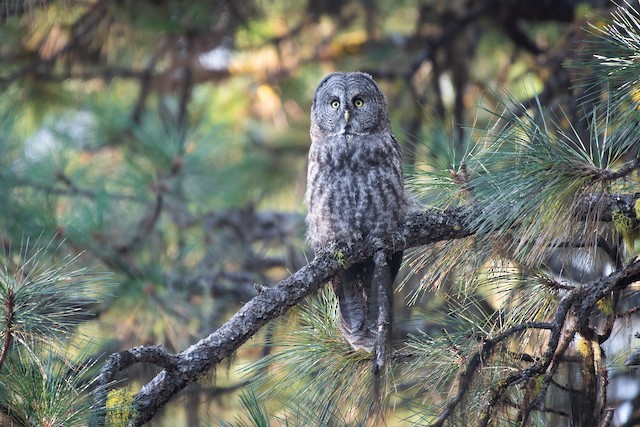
(335, 104)
(358, 102)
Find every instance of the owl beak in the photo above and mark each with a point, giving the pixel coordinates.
(346, 116)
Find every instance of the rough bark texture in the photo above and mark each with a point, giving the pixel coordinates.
(183, 368)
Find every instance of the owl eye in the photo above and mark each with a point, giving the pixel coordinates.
(358, 102)
(335, 104)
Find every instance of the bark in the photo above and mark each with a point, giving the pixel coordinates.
(181, 369)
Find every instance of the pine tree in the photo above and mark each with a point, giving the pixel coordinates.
(533, 298)
(164, 141)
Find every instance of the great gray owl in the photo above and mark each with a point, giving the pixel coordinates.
(355, 190)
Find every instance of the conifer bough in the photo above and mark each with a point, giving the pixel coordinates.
(420, 227)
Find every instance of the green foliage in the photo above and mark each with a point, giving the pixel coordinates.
(611, 67)
(255, 412)
(45, 387)
(322, 379)
(439, 178)
(436, 360)
(43, 298)
(524, 180)
(528, 180)
(46, 371)
(116, 137)
(525, 177)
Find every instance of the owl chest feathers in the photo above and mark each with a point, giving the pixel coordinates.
(355, 188)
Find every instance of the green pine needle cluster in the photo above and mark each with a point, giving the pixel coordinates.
(529, 180)
(43, 387)
(524, 181)
(46, 371)
(612, 69)
(317, 373)
(43, 298)
(254, 412)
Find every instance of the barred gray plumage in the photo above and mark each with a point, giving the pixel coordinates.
(355, 189)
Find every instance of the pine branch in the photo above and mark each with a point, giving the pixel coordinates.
(420, 228)
(582, 301)
(609, 204)
(145, 227)
(70, 189)
(384, 281)
(626, 170)
(9, 314)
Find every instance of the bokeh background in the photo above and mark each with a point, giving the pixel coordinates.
(165, 141)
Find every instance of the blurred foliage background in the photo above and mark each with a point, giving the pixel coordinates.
(165, 142)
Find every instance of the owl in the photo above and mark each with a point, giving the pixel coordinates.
(355, 190)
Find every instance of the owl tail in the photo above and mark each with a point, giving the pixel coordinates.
(353, 288)
(358, 299)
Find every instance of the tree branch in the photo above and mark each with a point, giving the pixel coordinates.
(421, 227)
(582, 300)
(9, 314)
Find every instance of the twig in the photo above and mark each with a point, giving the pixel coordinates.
(384, 281)
(607, 175)
(145, 227)
(474, 362)
(607, 418)
(9, 313)
(145, 77)
(70, 191)
(583, 300)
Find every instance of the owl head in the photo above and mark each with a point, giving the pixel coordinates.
(348, 103)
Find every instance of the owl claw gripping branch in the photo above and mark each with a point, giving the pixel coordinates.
(355, 192)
